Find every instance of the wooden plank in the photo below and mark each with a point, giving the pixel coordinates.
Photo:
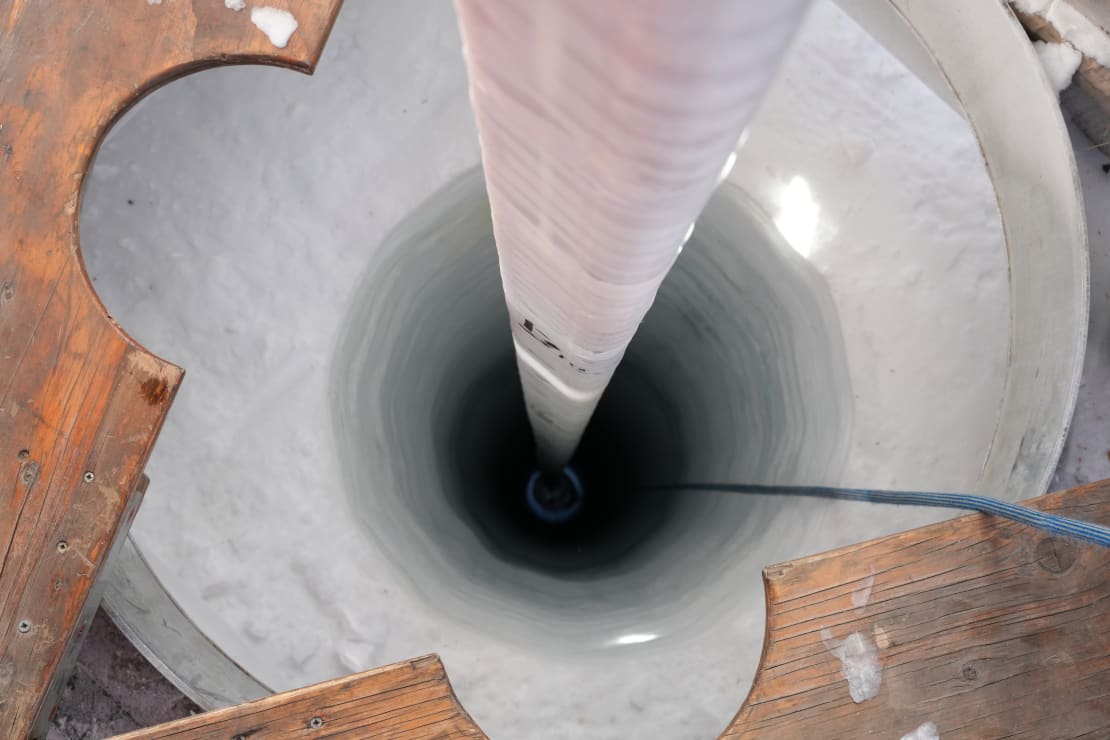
(413, 699)
(80, 402)
(985, 627)
(68, 662)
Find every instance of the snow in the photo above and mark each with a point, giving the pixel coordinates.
(925, 731)
(261, 198)
(1059, 61)
(859, 664)
(862, 594)
(1072, 25)
(1038, 7)
(235, 5)
(277, 24)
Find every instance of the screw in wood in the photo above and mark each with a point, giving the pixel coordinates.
(24, 626)
(63, 546)
(89, 477)
(24, 454)
(316, 723)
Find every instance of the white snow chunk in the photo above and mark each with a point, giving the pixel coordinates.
(925, 731)
(1073, 26)
(1059, 61)
(862, 595)
(153, 2)
(859, 664)
(1033, 7)
(277, 24)
(235, 5)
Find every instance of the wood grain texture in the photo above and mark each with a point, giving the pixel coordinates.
(983, 626)
(49, 702)
(413, 699)
(80, 402)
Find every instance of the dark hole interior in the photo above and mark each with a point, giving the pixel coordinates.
(632, 441)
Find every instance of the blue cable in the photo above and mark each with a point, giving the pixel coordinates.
(1041, 520)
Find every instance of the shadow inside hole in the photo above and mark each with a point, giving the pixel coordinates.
(737, 373)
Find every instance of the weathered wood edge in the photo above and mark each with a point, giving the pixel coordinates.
(983, 626)
(81, 404)
(412, 699)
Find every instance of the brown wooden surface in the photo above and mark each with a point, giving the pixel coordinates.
(68, 661)
(985, 627)
(77, 396)
(406, 700)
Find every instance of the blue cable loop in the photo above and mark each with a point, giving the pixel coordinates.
(1053, 523)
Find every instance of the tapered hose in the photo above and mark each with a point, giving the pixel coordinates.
(605, 127)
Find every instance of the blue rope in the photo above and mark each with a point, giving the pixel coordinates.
(1041, 520)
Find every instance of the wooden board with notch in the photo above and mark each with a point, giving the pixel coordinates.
(984, 627)
(1087, 99)
(81, 404)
